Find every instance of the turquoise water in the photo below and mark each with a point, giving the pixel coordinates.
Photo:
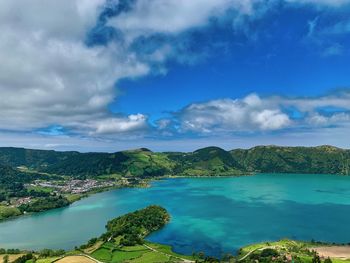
(214, 215)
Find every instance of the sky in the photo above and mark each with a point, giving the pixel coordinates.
(174, 75)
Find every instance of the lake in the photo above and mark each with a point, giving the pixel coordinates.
(213, 215)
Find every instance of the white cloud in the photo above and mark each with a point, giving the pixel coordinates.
(174, 16)
(47, 74)
(119, 125)
(227, 115)
(271, 119)
(317, 120)
(255, 114)
(339, 99)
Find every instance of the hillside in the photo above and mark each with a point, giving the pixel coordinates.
(140, 162)
(210, 161)
(205, 162)
(275, 159)
(12, 182)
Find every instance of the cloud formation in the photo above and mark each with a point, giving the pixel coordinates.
(256, 114)
(174, 16)
(48, 75)
(51, 75)
(247, 114)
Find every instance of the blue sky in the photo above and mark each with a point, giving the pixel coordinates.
(174, 75)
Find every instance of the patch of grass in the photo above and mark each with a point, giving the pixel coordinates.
(93, 248)
(167, 249)
(46, 260)
(108, 245)
(121, 256)
(74, 197)
(7, 212)
(40, 189)
(151, 257)
(102, 254)
(340, 260)
(135, 248)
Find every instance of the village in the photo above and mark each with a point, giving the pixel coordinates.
(74, 187)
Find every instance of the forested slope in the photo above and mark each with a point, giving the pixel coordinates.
(210, 161)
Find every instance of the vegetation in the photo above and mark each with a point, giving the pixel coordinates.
(210, 161)
(43, 204)
(133, 227)
(286, 251)
(8, 212)
(12, 182)
(142, 163)
(274, 159)
(124, 239)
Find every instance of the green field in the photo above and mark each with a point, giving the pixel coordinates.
(113, 253)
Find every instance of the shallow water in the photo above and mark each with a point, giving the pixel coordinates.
(214, 215)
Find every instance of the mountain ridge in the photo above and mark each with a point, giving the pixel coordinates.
(206, 161)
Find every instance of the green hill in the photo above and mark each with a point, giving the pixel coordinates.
(275, 159)
(210, 161)
(141, 162)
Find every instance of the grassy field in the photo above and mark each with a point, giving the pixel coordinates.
(167, 250)
(40, 189)
(150, 257)
(111, 252)
(46, 260)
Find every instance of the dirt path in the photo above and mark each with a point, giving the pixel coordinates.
(182, 259)
(258, 249)
(341, 252)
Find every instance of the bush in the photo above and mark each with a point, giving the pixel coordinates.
(269, 252)
(24, 258)
(45, 253)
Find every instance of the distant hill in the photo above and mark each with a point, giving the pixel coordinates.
(205, 162)
(140, 162)
(275, 159)
(210, 161)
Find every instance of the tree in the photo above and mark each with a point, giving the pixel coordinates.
(328, 260)
(6, 259)
(316, 259)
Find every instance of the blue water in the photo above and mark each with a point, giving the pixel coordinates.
(214, 215)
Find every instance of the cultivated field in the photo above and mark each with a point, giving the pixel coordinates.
(75, 259)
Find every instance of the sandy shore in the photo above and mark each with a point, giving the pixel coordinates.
(341, 252)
